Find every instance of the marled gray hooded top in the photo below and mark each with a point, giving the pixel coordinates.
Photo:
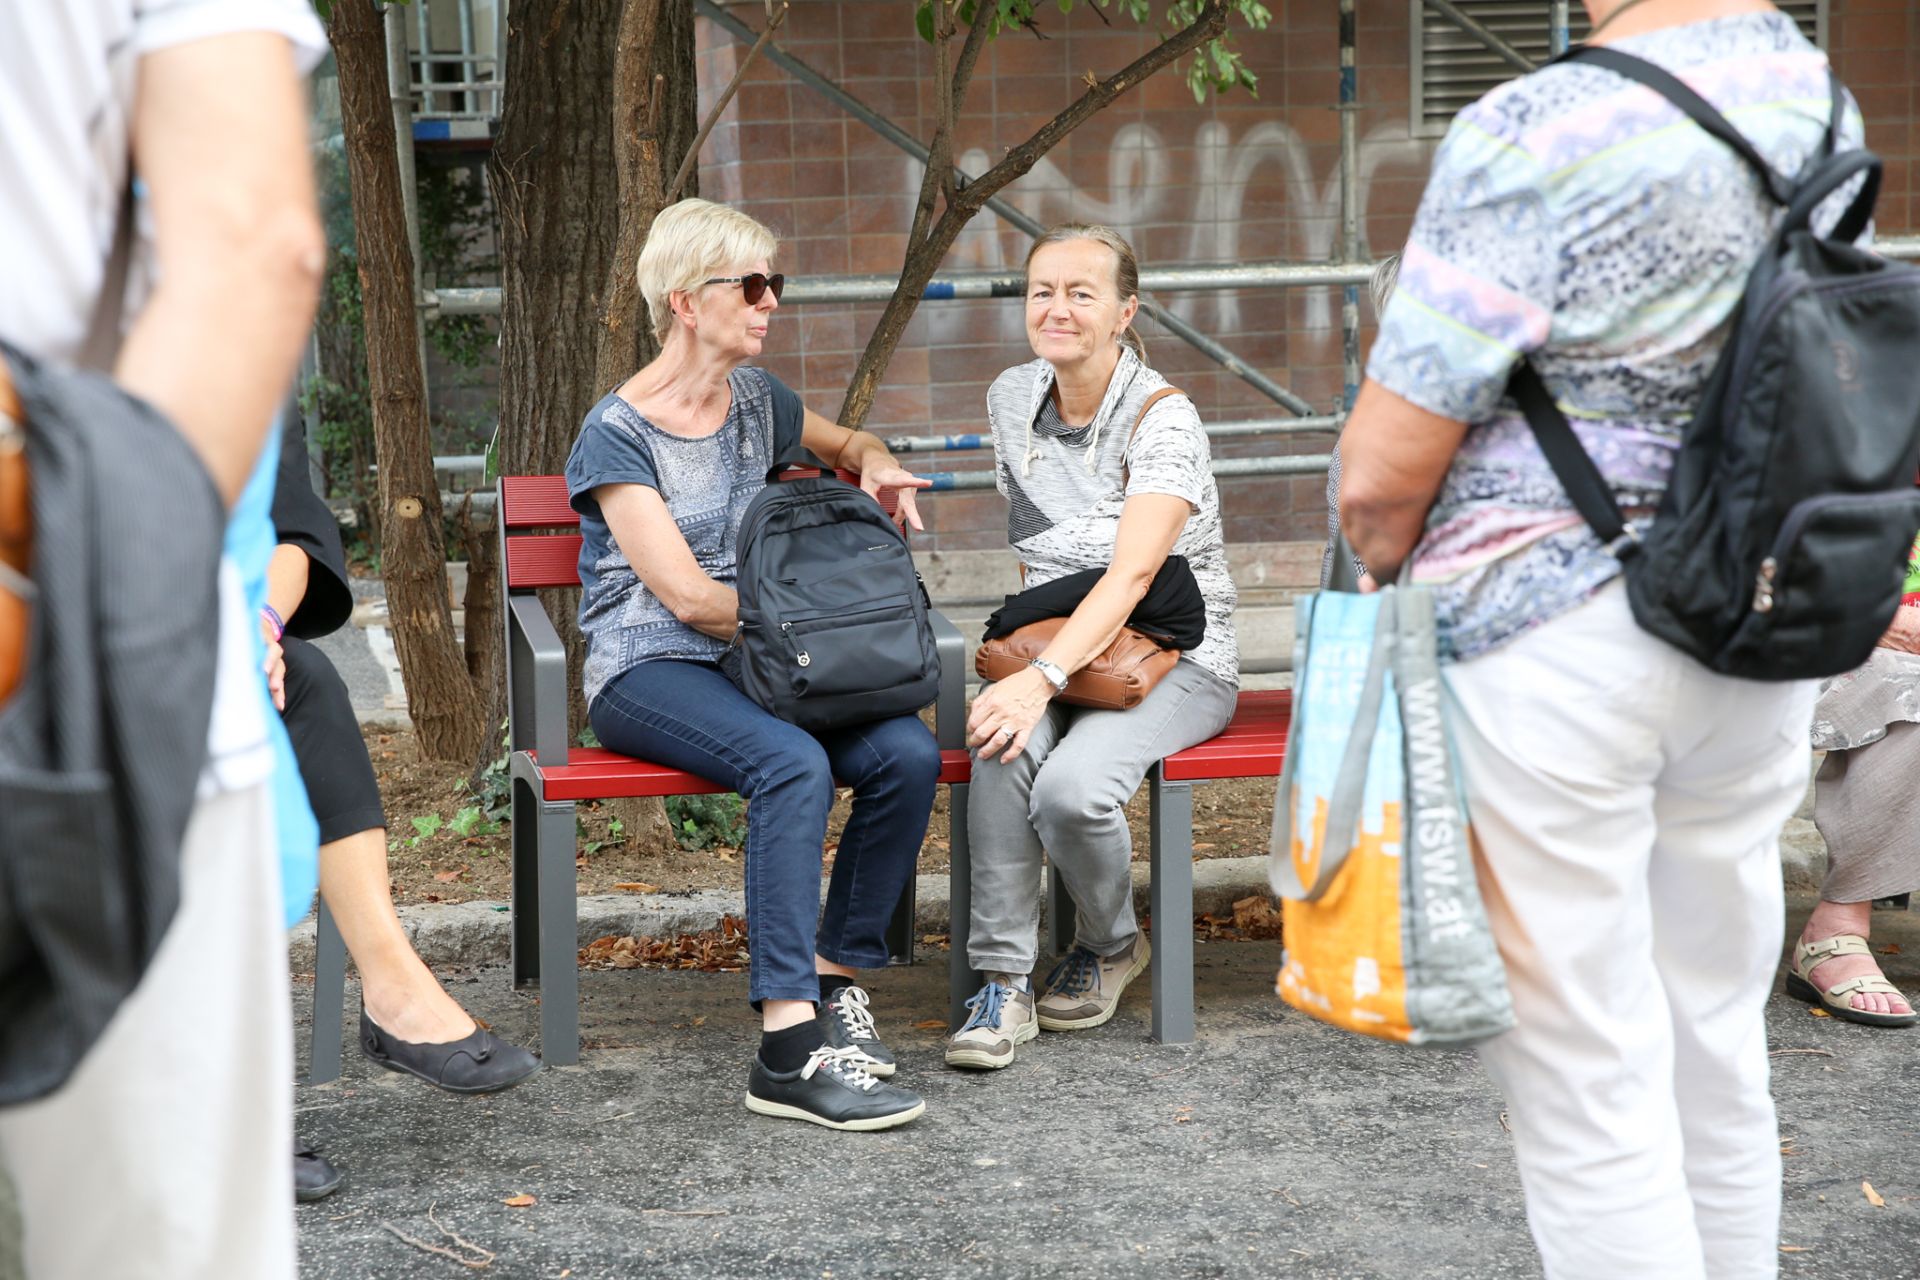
(1065, 488)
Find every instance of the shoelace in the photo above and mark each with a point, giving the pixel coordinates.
(1075, 974)
(855, 1016)
(845, 1065)
(986, 1005)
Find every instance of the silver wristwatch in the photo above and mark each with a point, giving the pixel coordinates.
(1053, 672)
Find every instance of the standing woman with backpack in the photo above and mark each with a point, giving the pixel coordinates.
(661, 474)
(1627, 800)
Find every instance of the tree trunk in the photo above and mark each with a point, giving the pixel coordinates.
(557, 191)
(440, 695)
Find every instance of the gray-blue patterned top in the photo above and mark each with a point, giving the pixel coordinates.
(706, 483)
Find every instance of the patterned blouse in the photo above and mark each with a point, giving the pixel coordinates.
(1578, 218)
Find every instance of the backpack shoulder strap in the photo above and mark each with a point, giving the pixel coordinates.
(1579, 476)
(1697, 108)
(1126, 472)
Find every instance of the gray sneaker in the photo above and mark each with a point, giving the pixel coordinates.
(1084, 989)
(1002, 1019)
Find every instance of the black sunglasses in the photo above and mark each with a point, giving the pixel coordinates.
(755, 286)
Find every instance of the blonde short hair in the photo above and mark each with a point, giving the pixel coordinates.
(690, 242)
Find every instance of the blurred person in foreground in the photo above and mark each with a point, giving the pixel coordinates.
(1627, 802)
(164, 1153)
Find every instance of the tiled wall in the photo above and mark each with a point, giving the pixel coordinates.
(1240, 178)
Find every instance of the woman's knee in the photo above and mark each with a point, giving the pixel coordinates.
(792, 761)
(1063, 798)
(314, 687)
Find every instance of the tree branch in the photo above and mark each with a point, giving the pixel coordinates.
(1210, 24)
(925, 255)
(692, 157)
(962, 80)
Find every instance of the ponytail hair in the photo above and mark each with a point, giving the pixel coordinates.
(1126, 269)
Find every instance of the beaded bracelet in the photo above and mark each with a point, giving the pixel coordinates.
(272, 618)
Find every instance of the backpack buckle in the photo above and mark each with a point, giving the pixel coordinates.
(1628, 541)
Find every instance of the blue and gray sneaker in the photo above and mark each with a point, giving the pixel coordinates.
(848, 1023)
(1001, 1019)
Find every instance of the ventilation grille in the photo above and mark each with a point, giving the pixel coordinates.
(1452, 69)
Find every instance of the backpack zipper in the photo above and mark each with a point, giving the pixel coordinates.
(1797, 517)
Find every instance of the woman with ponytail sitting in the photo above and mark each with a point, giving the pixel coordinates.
(1099, 482)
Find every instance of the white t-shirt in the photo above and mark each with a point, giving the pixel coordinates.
(68, 69)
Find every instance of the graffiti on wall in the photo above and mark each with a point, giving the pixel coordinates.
(1142, 189)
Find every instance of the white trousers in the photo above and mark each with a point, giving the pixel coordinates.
(169, 1153)
(1627, 804)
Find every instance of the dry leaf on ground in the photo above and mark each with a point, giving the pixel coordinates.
(1793, 1248)
(521, 1201)
(722, 950)
(931, 1024)
(1891, 949)
(637, 886)
(1819, 1013)
(448, 877)
(1874, 1198)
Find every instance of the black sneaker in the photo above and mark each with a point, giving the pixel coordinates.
(833, 1089)
(848, 1024)
(314, 1177)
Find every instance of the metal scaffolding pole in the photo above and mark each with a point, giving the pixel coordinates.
(1557, 27)
(906, 142)
(972, 441)
(988, 284)
(1349, 202)
(1306, 464)
(1453, 13)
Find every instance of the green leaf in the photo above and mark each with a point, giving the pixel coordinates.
(428, 825)
(923, 20)
(472, 821)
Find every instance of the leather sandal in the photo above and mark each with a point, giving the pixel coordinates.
(1838, 999)
(479, 1063)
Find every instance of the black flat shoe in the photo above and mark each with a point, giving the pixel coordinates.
(481, 1063)
(314, 1177)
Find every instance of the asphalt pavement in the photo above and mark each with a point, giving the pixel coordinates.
(1272, 1147)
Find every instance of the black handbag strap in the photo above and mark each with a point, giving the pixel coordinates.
(1697, 108)
(1579, 476)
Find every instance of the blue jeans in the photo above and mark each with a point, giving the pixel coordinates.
(690, 716)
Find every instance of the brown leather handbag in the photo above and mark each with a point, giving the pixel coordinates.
(1118, 678)
(16, 538)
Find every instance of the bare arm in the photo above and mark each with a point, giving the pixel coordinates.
(866, 453)
(1904, 633)
(653, 544)
(1150, 524)
(220, 140)
(1393, 456)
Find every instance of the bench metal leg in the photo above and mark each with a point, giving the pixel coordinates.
(1170, 899)
(1062, 915)
(524, 931)
(900, 928)
(559, 965)
(962, 980)
(329, 998)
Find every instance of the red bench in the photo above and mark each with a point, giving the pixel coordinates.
(1251, 746)
(550, 775)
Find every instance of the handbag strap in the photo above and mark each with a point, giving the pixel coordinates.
(1350, 783)
(1126, 472)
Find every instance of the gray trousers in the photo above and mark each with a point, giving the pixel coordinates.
(1065, 795)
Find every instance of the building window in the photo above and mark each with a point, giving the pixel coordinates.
(1452, 68)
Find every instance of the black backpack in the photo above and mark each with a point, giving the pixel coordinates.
(1779, 549)
(833, 617)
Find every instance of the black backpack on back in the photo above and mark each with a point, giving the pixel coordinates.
(833, 617)
(1779, 549)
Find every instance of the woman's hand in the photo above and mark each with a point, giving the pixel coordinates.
(882, 476)
(1904, 634)
(1004, 716)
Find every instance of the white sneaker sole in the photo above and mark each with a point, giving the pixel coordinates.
(762, 1107)
(1100, 1019)
(986, 1060)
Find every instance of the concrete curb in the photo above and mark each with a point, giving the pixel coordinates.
(476, 933)
(467, 934)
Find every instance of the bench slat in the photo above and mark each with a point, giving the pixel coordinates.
(594, 773)
(1252, 745)
(543, 560)
(535, 502)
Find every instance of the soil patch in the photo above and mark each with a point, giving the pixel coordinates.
(442, 845)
